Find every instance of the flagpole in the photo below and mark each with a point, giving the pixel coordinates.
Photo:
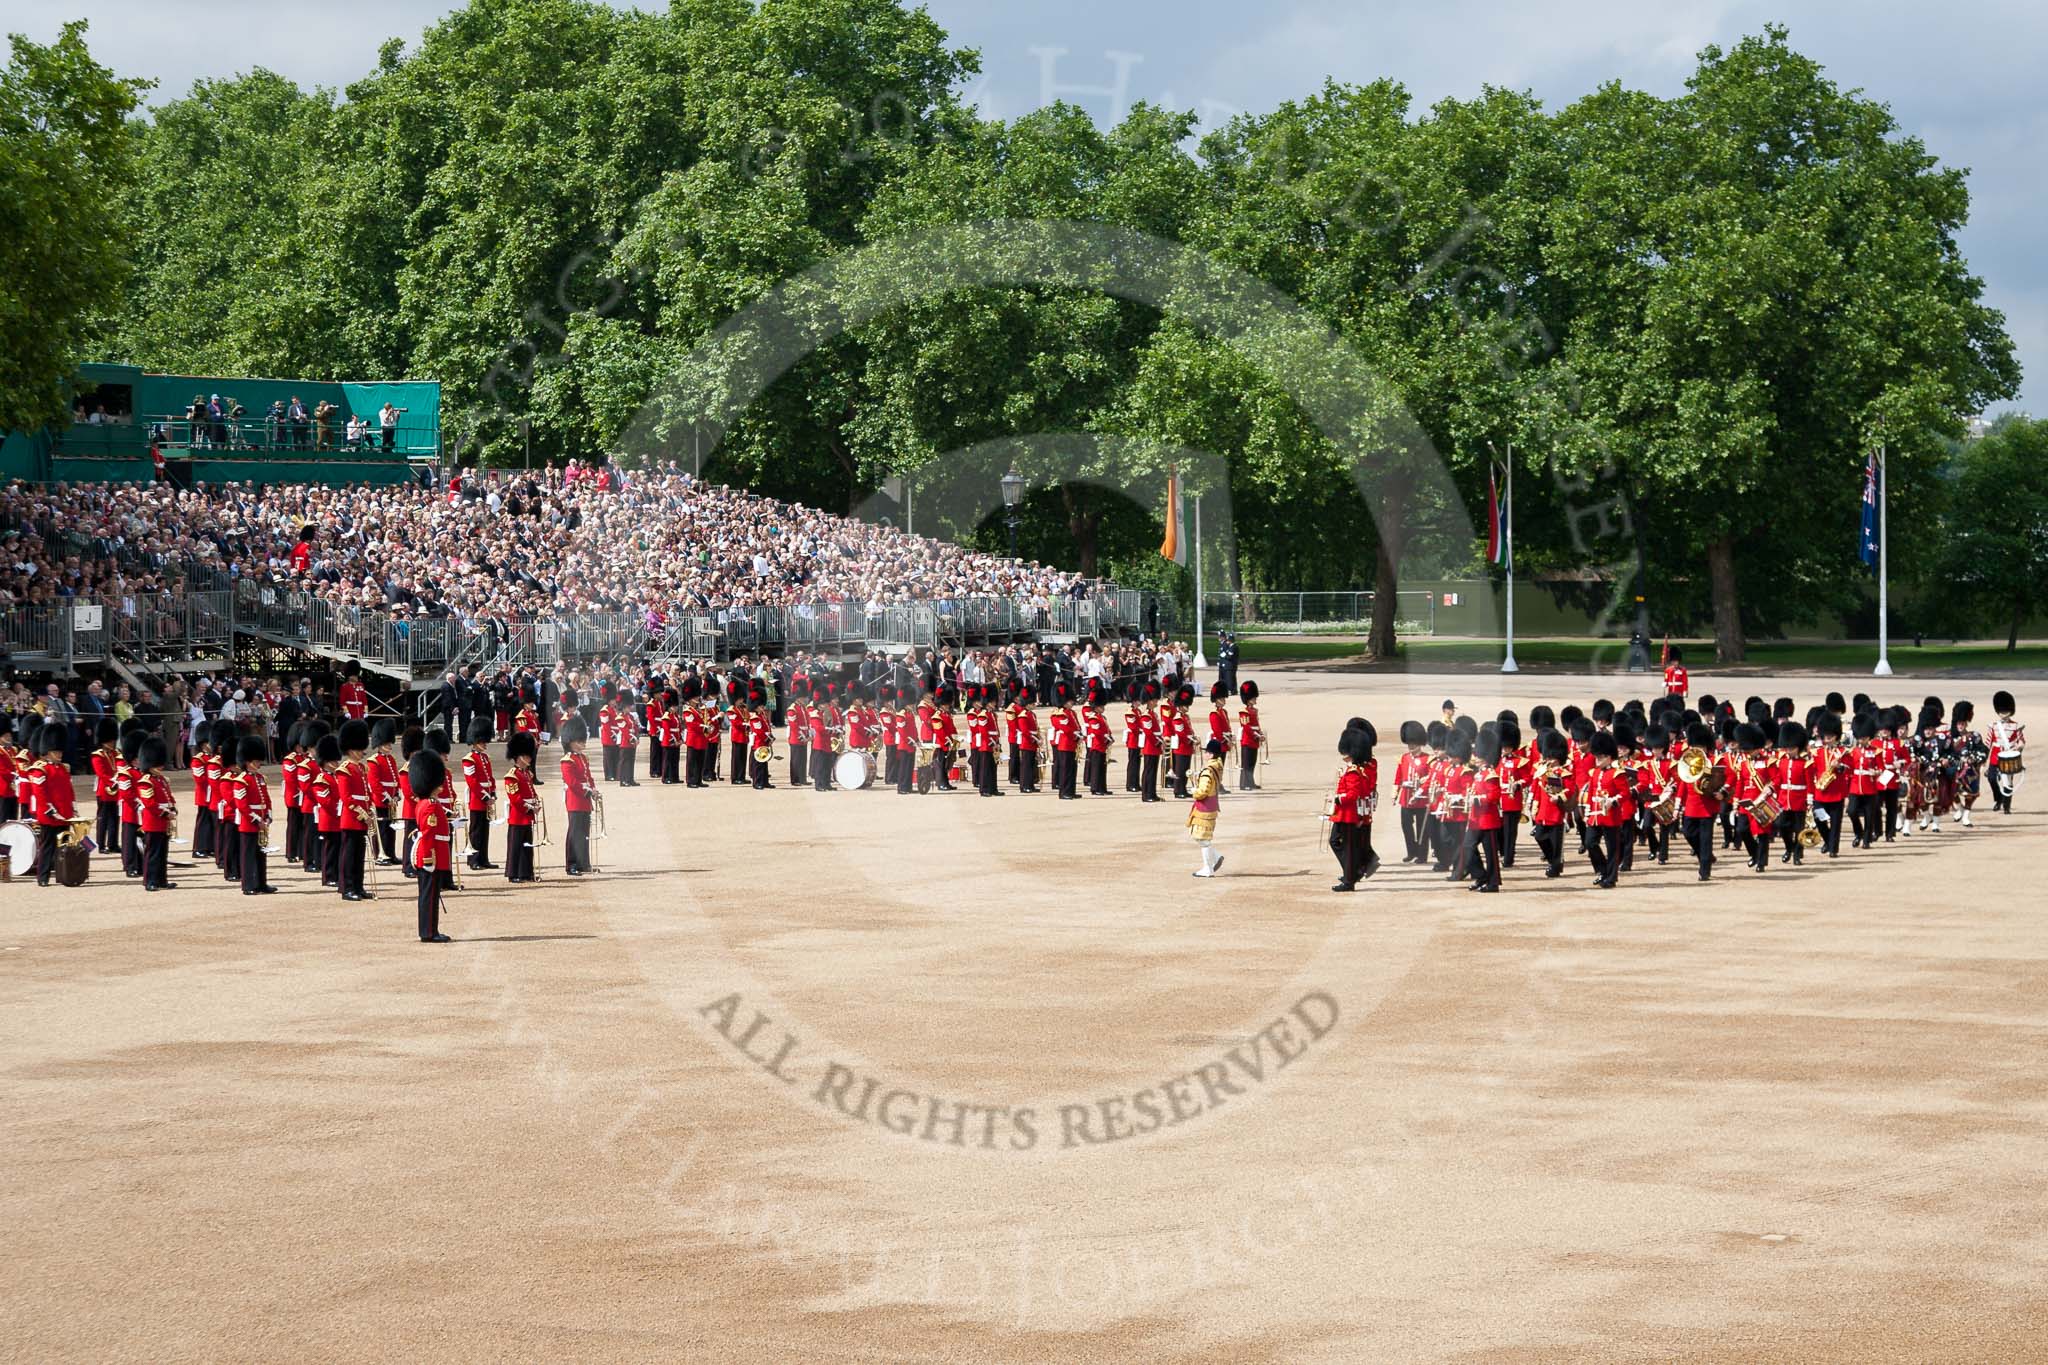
(1508, 665)
(1200, 660)
(1884, 629)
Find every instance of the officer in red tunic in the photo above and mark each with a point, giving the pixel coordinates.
(1026, 728)
(1550, 795)
(251, 806)
(946, 736)
(480, 788)
(626, 735)
(326, 810)
(1134, 738)
(355, 700)
(522, 801)
(433, 851)
(608, 732)
(579, 796)
(1677, 682)
(1791, 772)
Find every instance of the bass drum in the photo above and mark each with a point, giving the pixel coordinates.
(17, 849)
(853, 770)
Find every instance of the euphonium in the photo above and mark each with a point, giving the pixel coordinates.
(1693, 765)
(1809, 833)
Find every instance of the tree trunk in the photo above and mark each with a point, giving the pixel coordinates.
(2012, 634)
(1387, 568)
(1728, 647)
(1084, 524)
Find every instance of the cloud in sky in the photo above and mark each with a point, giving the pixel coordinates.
(1964, 77)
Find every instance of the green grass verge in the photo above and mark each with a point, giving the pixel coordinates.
(1821, 655)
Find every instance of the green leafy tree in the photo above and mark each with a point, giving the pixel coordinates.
(1756, 280)
(66, 162)
(1994, 562)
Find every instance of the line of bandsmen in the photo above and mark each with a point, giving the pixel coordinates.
(915, 739)
(350, 804)
(1623, 780)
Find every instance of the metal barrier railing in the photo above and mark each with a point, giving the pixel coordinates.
(310, 434)
(152, 628)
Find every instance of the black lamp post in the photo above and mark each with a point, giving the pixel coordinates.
(1013, 494)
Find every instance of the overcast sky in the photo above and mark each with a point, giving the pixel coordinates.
(1964, 76)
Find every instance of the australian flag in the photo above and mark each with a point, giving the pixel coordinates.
(1868, 548)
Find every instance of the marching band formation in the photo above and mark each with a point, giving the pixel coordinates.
(1610, 782)
(366, 795)
(1624, 780)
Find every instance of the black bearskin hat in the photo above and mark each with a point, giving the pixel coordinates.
(480, 730)
(1412, 732)
(354, 735)
(152, 753)
(574, 731)
(1542, 718)
(411, 742)
(384, 732)
(255, 749)
(1248, 690)
(1218, 692)
(1510, 731)
(2002, 702)
(1864, 726)
(1751, 739)
(1604, 745)
(107, 731)
(1964, 712)
(131, 744)
(328, 750)
(1699, 735)
(1552, 745)
(426, 773)
(521, 746)
(1791, 735)
(1457, 745)
(1488, 747)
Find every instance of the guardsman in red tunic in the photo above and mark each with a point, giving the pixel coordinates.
(11, 760)
(353, 813)
(798, 716)
(1698, 809)
(1134, 739)
(156, 813)
(125, 775)
(1183, 739)
(1830, 782)
(1065, 732)
(202, 768)
(579, 798)
(1676, 681)
(1483, 815)
(106, 832)
(627, 731)
(289, 773)
(1457, 784)
(312, 796)
(981, 737)
(433, 850)
(1791, 772)
(1219, 714)
(1027, 743)
(1602, 796)
(739, 724)
(480, 790)
(55, 799)
(1517, 761)
(671, 738)
(1149, 746)
(1351, 808)
(1251, 736)
(522, 801)
(327, 810)
(1549, 798)
(608, 733)
(251, 806)
(946, 735)
(1095, 724)
(825, 725)
(1411, 789)
(760, 734)
(695, 737)
(384, 789)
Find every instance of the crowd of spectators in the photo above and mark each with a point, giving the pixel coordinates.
(511, 548)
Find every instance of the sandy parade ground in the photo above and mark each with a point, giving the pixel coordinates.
(867, 1077)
